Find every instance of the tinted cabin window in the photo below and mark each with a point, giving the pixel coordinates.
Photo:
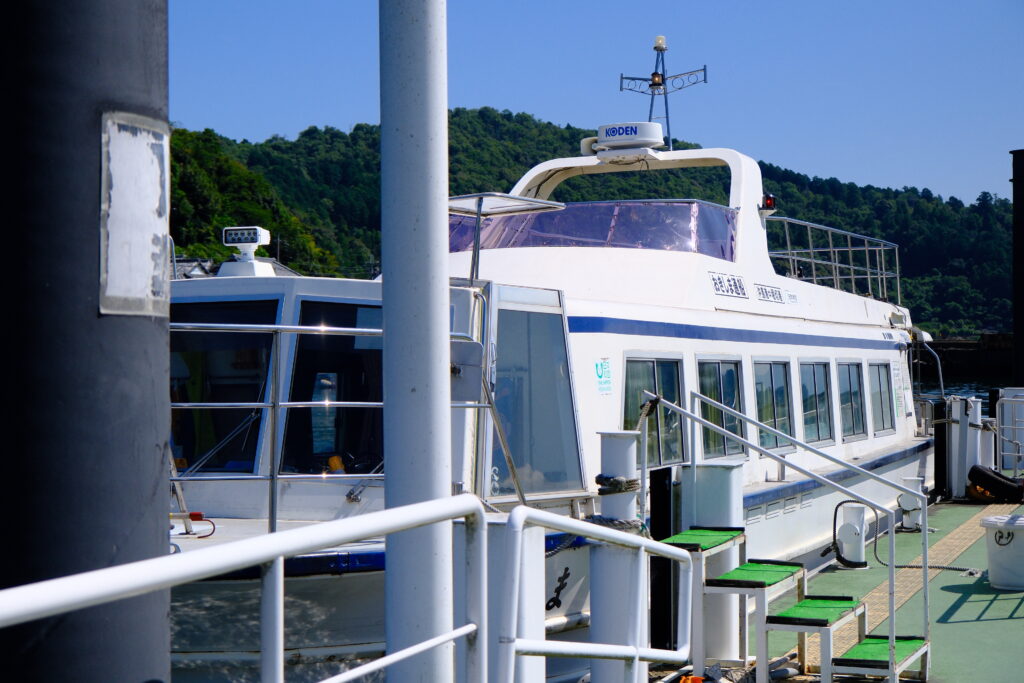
(664, 431)
(817, 401)
(335, 368)
(720, 381)
(534, 402)
(881, 398)
(851, 399)
(771, 386)
(219, 367)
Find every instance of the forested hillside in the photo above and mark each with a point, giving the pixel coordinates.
(319, 197)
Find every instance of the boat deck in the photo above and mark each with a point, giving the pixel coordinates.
(976, 629)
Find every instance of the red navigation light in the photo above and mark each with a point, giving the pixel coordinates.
(768, 203)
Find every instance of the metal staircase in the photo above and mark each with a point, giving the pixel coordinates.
(764, 581)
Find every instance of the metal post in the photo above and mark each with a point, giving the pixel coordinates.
(272, 621)
(1018, 267)
(86, 87)
(474, 267)
(613, 569)
(417, 394)
(664, 94)
(276, 351)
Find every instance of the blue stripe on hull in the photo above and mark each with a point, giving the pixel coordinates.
(354, 562)
(648, 328)
(789, 489)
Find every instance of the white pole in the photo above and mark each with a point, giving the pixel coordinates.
(618, 583)
(417, 395)
(272, 621)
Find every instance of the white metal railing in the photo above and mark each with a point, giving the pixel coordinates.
(509, 642)
(835, 258)
(890, 514)
(1010, 432)
(276, 404)
(56, 596)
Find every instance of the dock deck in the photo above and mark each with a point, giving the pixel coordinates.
(977, 631)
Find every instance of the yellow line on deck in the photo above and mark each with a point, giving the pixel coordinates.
(908, 581)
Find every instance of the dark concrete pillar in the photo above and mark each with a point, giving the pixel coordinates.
(84, 481)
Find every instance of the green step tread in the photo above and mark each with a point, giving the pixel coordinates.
(875, 650)
(758, 572)
(704, 538)
(816, 609)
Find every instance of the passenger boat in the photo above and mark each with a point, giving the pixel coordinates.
(562, 315)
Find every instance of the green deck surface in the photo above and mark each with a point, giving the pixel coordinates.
(705, 538)
(828, 610)
(768, 574)
(876, 648)
(970, 620)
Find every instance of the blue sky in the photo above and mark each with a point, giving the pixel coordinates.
(893, 94)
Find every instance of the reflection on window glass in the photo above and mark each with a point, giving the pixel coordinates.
(664, 431)
(219, 367)
(817, 401)
(335, 368)
(720, 381)
(771, 386)
(851, 399)
(534, 402)
(881, 398)
(667, 225)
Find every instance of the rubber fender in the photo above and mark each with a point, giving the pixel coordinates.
(1005, 489)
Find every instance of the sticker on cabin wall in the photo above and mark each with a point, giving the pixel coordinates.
(769, 293)
(134, 213)
(791, 297)
(603, 374)
(897, 385)
(728, 285)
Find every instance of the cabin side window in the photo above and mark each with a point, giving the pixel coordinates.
(219, 367)
(534, 402)
(817, 401)
(344, 440)
(851, 399)
(771, 386)
(881, 397)
(664, 429)
(720, 381)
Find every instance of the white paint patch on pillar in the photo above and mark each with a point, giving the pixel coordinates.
(134, 215)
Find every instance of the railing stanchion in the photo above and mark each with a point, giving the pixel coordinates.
(924, 570)
(275, 402)
(272, 621)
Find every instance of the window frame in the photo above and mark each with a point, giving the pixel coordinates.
(892, 401)
(740, 382)
(261, 461)
(863, 434)
(526, 300)
(656, 358)
(781, 448)
(827, 363)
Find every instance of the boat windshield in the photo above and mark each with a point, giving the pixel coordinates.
(219, 367)
(668, 225)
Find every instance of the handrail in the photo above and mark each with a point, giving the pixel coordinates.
(275, 405)
(800, 444)
(845, 265)
(509, 645)
(824, 481)
(1014, 425)
(68, 593)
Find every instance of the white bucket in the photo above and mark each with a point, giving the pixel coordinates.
(1005, 540)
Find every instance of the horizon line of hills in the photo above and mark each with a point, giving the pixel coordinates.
(319, 196)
